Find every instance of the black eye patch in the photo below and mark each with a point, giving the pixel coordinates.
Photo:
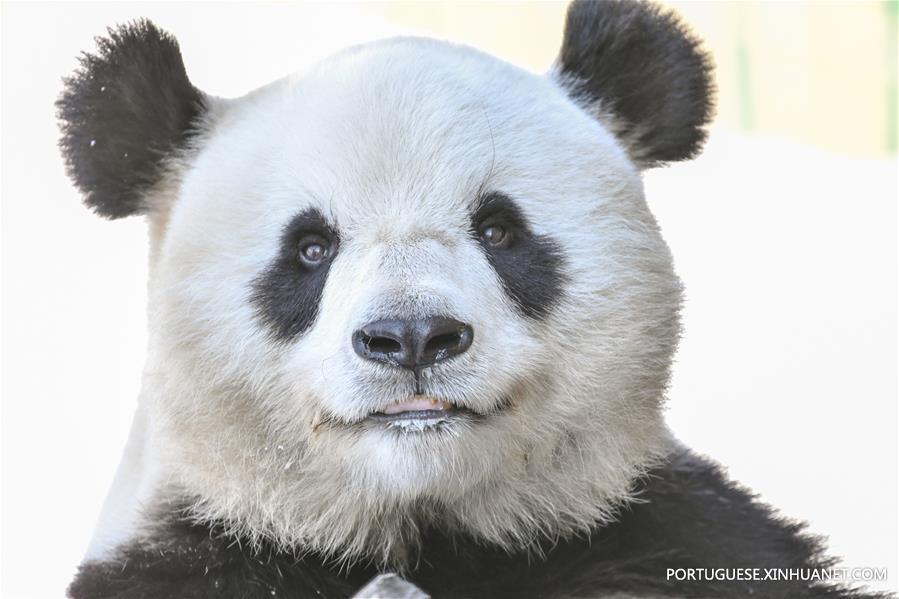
(529, 265)
(287, 294)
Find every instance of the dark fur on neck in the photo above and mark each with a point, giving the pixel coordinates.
(688, 516)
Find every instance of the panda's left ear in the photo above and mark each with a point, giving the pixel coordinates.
(642, 72)
(124, 115)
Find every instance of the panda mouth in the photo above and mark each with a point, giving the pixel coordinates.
(418, 408)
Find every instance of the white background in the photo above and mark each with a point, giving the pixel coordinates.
(786, 374)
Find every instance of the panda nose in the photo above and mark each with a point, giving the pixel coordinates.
(412, 343)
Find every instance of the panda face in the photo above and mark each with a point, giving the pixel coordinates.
(414, 284)
(402, 183)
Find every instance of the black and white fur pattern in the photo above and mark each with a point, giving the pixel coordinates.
(254, 468)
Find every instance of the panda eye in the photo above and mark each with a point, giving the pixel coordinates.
(494, 235)
(314, 249)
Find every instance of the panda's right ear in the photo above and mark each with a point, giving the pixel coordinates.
(124, 115)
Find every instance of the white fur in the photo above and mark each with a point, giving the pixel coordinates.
(394, 141)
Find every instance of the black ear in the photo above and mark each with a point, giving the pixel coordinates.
(640, 69)
(126, 111)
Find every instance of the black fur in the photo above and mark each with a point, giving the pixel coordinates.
(123, 113)
(690, 516)
(288, 292)
(530, 266)
(644, 67)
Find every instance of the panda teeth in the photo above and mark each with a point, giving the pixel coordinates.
(419, 403)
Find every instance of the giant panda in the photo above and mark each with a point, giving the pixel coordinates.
(409, 313)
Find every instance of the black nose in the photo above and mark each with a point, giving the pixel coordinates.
(412, 343)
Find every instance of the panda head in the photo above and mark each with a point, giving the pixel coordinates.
(415, 286)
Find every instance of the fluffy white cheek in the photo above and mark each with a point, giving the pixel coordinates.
(320, 364)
